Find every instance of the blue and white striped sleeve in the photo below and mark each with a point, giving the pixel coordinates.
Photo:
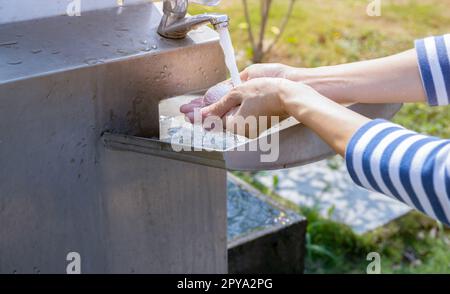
(407, 166)
(434, 63)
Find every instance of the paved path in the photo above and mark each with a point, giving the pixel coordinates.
(327, 184)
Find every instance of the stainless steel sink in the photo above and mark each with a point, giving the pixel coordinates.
(64, 81)
(297, 146)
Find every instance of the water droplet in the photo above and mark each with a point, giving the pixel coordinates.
(91, 61)
(15, 62)
(216, 70)
(36, 51)
(169, 75)
(154, 47)
(144, 42)
(105, 44)
(156, 79)
(121, 51)
(56, 52)
(146, 49)
(121, 29)
(165, 67)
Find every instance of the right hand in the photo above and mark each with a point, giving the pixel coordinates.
(261, 70)
(244, 108)
(268, 70)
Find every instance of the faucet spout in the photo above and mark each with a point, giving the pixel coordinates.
(180, 28)
(175, 24)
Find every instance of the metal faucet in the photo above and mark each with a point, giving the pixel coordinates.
(175, 24)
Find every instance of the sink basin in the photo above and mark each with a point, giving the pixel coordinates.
(297, 144)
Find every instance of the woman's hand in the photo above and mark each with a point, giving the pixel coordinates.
(257, 98)
(282, 98)
(245, 106)
(242, 107)
(392, 79)
(269, 70)
(330, 81)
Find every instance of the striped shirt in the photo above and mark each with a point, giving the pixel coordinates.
(407, 166)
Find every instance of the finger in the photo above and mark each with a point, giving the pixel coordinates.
(222, 106)
(215, 93)
(196, 103)
(189, 117)
(245, 75)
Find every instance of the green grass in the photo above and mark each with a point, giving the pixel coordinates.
(434, 121)
(411, 244)
(324, 32)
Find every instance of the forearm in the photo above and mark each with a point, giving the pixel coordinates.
(334, 123)
(380, 155)
(385, 80)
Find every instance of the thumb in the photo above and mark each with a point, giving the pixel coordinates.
(245, 75)
(215, 93)
(224, 105)
(191, 106)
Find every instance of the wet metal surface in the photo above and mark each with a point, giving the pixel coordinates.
(65, 81)
(68, 42)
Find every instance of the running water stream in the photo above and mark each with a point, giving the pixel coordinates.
(174, 129)
(230, 57)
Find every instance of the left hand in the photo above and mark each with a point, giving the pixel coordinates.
(334, 123)
(211, 96)
(256, 98)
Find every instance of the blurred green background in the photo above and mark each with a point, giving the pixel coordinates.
(325, 32)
